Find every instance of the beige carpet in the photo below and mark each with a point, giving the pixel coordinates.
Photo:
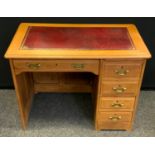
(69, 115)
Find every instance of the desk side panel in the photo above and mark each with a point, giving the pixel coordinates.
(24, 91)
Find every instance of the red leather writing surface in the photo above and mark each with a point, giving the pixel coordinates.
(78, 38)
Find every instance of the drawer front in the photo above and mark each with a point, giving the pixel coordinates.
(57, 65)
(116, 103)
(119, 88)
(122, 70)
(114, 125)
(115, 116)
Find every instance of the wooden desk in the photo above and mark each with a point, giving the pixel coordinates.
(107, 60)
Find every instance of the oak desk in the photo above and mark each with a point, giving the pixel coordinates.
(107, 60)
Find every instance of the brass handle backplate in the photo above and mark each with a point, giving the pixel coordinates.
(115, 118)
(117, 105)
(121, 71)
(78, 66)
(119, 89)
(34, 66)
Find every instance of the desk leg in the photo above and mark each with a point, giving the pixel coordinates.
(23, 83)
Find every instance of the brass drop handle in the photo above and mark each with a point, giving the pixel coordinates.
(119, 89)
(117, 105)
(115, 118)
(121, 71)
(34, 65)
(78, 66)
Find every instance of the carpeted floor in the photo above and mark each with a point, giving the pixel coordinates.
(69, 115)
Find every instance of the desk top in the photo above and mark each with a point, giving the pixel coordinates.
(77, 41)
(102, 38)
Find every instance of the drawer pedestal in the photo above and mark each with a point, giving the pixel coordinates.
(119, 88)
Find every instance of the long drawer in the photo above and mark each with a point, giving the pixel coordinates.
(116, 103)
(56, 66)
(119, 88)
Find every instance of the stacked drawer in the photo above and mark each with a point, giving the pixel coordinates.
(119, 89)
